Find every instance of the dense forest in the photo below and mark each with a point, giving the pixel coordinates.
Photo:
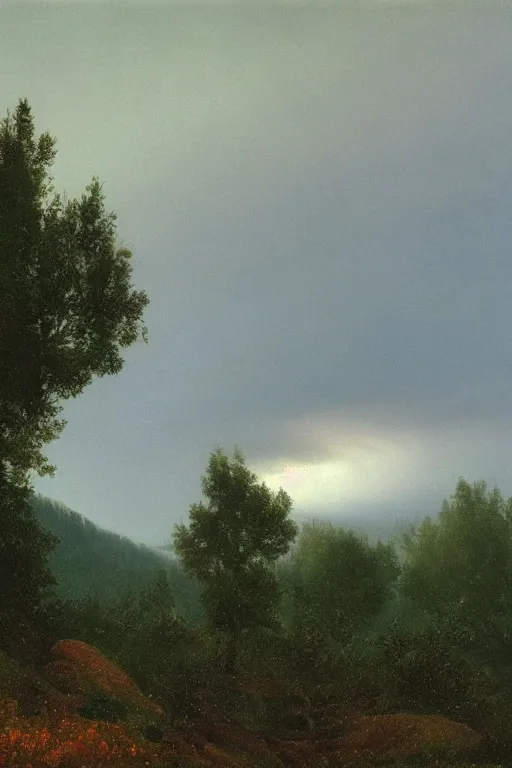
(89, 560)
(296, 634)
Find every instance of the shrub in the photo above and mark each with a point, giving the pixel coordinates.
(102, 707)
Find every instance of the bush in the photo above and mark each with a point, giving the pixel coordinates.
(27, 583)
(102, 707)
(425, 673)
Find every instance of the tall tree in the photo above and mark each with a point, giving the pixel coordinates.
(66, 307)
(231, 544)
(341, 582)
(156, 600)
(66, 304)
(459, 568)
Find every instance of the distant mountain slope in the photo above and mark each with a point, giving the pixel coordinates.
(90, 558)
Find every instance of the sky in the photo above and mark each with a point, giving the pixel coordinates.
(318, 198)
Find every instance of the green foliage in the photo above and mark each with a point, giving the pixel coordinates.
(232, 542)
(141, 632)
(132, 624)
(148, 622)
(255, 594)
(93, 621)
(460, 567)
(99, 706)
(88, 558)
(339, 582)
(426, 672)
(26, 582)
(66, 304)
(156, 602)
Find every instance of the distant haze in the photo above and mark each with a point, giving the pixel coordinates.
(319, 204)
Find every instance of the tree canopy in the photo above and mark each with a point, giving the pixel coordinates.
(339, 581)
(231, 543)
(26, 581)
(460, 567)
(66, 305)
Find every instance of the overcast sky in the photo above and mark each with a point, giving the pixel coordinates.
(319, 204)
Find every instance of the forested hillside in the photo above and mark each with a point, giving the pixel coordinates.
(88, 558)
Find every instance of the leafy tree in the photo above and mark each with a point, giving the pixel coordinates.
(26, 582)
(156, 643)
(66, 304)
(459, 568)
(158, 608)
(231, 544)
(425, 671)
(341, 581)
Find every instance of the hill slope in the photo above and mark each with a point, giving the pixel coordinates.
(90, 558)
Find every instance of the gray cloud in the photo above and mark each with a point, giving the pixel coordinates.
(317, 202)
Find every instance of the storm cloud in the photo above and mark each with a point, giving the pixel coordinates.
(318, 203)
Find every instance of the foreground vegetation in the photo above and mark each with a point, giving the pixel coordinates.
(392, 684)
